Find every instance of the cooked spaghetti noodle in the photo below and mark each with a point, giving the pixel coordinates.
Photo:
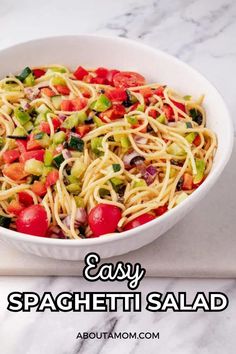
(70, 142)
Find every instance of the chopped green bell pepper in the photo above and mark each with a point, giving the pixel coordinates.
(200, 166)
(102, 104)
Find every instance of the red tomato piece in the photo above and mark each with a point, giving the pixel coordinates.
(99, 80)
(38, 73)
(117, 94)
(39, 188)
(33, 145)
(152, 113)
(110, 76)
(62, 89)
(102, 72)
(45, 127)
(88, 78)
(56, 122)
(25, 198)
(66, 105)
(197, 140)
(48, 92)
(179, 105)
(80, 73)
(82, 130)
(169, 113)
(10, 156)
(159, 91)
(22, 145)
(36, 154)
(86, 93)
(187, 181)
(140, 220)
(15, 207)
(115, 112)
(146, 92)
(15, 171)
(103, 219)
(126, 79)
(78, 103)
(33, 221)
(161, 210)
(52, 178)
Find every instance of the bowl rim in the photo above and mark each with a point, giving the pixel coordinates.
(200, 192)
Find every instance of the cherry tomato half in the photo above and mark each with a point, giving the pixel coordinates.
(140, 220)
(103, 219)
(33, 221)
(126, 79)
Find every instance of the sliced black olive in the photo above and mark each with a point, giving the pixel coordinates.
(137, 160)
(128, 102)
(180, 184)
(196, 116)
(17, 137)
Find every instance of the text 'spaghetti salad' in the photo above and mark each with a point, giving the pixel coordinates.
(92, 152)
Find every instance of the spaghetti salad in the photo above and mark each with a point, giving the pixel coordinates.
(92, 152)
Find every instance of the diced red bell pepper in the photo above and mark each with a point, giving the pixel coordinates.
(102, 72)
(15, 207)
(115, 112)
(179, 105)
(110, 76)
(88, 78)
(45, 127)
(11, 155)
(73, 105)
(25, 198)
(48, 92)
(144, 130)
(146, 92)
(152, 113)
(133, 107)
(22, 145)
(52, 178)
(56, 122)
(80, 73)
(32, 144)
(15, 171)
(62, 89)
(169, 113)
(85, 92)
(99, 80)
(82, 130)
(187, 181)
(39, 188)
(197, 140)
(38, 73)
(160, 210)
(37, 155)
(117, 95)
(159, 91)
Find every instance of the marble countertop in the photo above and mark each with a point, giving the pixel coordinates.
(201, 33)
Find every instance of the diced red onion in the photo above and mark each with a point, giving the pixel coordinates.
(66, 154)
(140, 140)
(132, 156)
(62, 116)
(151, 170)
(32, 94)
(80, 218)
(25, 105)
(149, 174)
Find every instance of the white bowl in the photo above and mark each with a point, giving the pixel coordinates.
(94, 51)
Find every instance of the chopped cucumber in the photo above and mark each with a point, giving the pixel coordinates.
(116, 167)
(48, 158)
(75, 142)
(96, 145)
(139, 183)
(181, 197)
(58, 160)
(29, 126)
(23, 75)
(102, 104)
(200, 166)
(162, 118)
(22, 116)
(59, 137)
(116, 183)
(175, 149)
(19, 131)
(29, 80)
(34, 167)
(132, 120)
(42, 108)
(98, 121)
(41, 117)
(57, 80)
(125, 143)
(74, 188)
(78, 169)
(79, 202)
(56, 101)
(190, 137)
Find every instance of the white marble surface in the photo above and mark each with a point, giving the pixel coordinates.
(202, 33)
